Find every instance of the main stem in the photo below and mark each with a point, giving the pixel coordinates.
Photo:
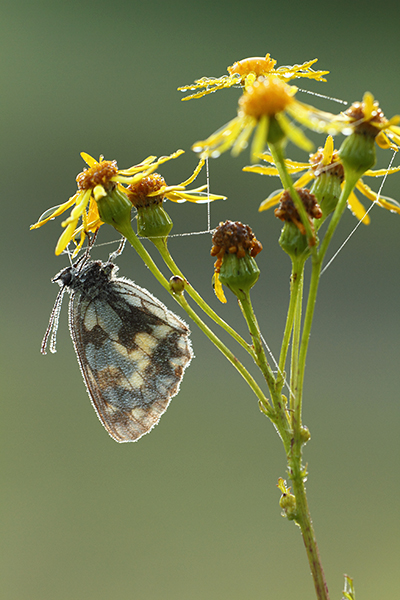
(309, 539)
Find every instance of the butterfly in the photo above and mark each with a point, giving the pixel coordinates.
(131, 349)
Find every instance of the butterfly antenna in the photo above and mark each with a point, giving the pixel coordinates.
(52, 327)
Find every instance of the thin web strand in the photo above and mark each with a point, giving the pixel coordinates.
(276, 364)
(323, 96)
(208, 195)
(359, 222)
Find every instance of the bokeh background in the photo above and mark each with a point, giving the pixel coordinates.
(191, 511)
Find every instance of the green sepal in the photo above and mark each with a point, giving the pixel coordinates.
(293, 242)
(275, 132)
(357, 154)
(114, 208)
(239, 274)
(327, 189)
(153, 221)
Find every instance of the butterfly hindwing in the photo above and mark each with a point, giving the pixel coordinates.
(132, 350)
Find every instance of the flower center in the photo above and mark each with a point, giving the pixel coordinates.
(318, 165)
(287, 210)
(138, 193)
(99, 174)
(258, 65)
(267, 96)
(367, 120)
(235, 238)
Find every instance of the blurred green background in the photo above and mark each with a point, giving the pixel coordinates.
(191, 511)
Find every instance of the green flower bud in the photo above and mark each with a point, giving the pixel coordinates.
(287, 501)
(305, 434)
(235, 246)
(176, 284)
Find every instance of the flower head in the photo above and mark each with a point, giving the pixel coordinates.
(235, 247)
(267, 107)
(288, 212)
(148, 195)
(94, 183)
(152, 189)
(367, 118)
(327, 161)
(244, 73)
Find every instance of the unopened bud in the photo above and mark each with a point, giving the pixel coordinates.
(235, 247)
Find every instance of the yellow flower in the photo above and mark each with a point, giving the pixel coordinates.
(267, 107)
(244, 73)
(326, 159)
(152, 189)
(94, 183)
(368, 119)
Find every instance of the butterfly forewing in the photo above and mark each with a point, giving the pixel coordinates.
(131, 349)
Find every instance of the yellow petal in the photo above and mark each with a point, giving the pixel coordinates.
(219, 292)
(384, 142)
(366, 190)
(261, 170)
(260, 137)
(304, 179)
(272, 200)
(55, 211)
(382, 172)
(357, 209)
(389, 204)
(328, 150)
(89, 160)
(65, 238)
(294, 133)
(195, 173)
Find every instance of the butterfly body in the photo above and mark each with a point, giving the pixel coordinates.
(132, 350)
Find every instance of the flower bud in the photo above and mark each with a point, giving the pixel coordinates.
(305, 434)
(176, 284)
(235, 247)
(366, 121)
(152, 219)
(329, 176)
(293, 239)
(287, 501)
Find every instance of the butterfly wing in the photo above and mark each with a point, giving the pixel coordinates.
(132, 352)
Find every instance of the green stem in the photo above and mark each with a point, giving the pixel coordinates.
(229, 355)
(287, 181)
(315, 276)
(296, 342)
(281, 420)
(297, 472)
(349, 184)
(129, 234)
(304, 521)
(295, 284)
(161, 245)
